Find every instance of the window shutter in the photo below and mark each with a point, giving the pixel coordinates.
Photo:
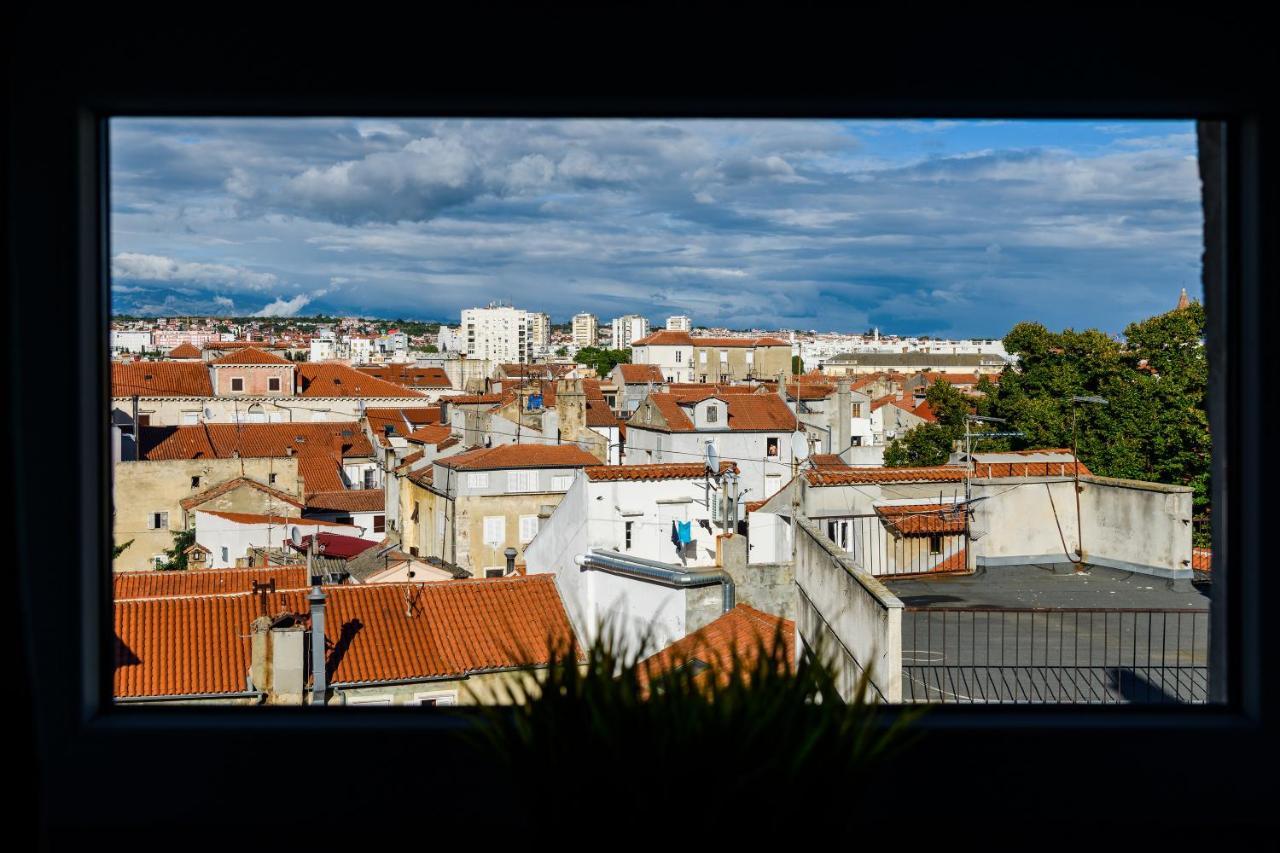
(528, 528)
(495, 529)
(561, 482)
(478, 481)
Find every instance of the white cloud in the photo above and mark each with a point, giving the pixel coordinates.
(133, 266)
(285, 307)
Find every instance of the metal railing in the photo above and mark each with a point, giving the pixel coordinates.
(914, 544)
(1066, 656)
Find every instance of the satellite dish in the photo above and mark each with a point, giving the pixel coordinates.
(295, 536)
(799, 445)
(713, 459)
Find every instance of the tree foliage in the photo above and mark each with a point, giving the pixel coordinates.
(932, 443)
(797, 365)
(603, 360)
(1155, 425)
(176, 558)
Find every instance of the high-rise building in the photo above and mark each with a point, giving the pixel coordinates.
(679, 323)
(586, 330)
(539, 332)
(630, 328)
(498, 333)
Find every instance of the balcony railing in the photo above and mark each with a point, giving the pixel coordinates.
(1040, 655)
(900, 543)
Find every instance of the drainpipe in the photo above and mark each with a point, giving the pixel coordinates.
(316, 599)
(638, 568)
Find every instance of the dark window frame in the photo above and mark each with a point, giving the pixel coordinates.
(59, 246)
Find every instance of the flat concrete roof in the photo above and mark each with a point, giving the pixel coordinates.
(1049, 585)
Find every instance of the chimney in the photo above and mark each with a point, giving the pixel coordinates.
(319, 687)
(277, 660)
(843, 408)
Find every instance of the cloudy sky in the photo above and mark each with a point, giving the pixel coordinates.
(924, 227)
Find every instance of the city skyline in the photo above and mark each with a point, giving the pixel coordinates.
(948, 229)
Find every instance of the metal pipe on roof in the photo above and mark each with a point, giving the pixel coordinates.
(638, 568)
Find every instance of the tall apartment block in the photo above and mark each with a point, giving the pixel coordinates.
(630, 328)
(498, 333)
(586, 330)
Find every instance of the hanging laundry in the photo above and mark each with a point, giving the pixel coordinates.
(705, 525)
(675, 535)
(685, 529)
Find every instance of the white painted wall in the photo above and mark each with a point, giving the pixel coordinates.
(215, 533)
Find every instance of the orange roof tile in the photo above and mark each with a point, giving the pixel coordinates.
(220, 441)
(521, 456)
(871, 475)
(743, 633)
(664, 337)
(274, 520)
(233, 484)
(639, 374)
(740, 342)
(433, 434)
(160, 379)
(348, 500)
(410, 377)
(758, 412)
(660, 471)
(251, 355)
(375, 633)
(923, 519)
(184, 350)
(152, 584)
(332, 379)
(320, 472)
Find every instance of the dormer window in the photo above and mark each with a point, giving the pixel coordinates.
(713, 414)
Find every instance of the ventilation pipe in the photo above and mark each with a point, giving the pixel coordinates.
(651, 571)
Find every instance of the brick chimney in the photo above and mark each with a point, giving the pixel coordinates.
(278, 659)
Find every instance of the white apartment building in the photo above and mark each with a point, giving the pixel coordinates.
(122, 341)
(680, 323)
(630, 328)
(450, 339)
(539, 332)
(497, 333)
(323, 349)
(359, 349)
(586, 330)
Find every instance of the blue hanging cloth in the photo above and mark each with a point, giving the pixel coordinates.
(685, 530)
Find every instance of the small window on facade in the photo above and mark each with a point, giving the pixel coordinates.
(495, 572)
(271, 479)
(369, 478)
(237, 384)
(159, 520)
(226, 554)
(273, 383)
(713, 414)
(144, 420)
(678, 356)
(195, 482)
(379, 523)
(627, 540)
(528, 528)
(772, 446)
(413, 550)
(935, 544)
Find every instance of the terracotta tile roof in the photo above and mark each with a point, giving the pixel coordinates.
(410, 377)
(320, 472)
(251, 355)
(333, 379)
(639, 374)
(600, 415)
(220, 441)
(274, 520)
(827, 460)
(740, 342)
(374, 632)
(151, 584)
(953, 378)
(184, 350)
(1202, 559)
(434, 434)
(409, 460)
(660, 471)
(743, 633)
(702, 390)
(348, 500)
(955, 563)
(923, 519)
(663, 337)
(521, 456)
(403, 422)
(872, 475)
(472, 399)
(160, 379)
(1057, 464)
(752, 506)
(233, 484)
(763, 412)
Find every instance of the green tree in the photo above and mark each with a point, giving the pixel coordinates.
(797, 365)
(176, 558)
(431, 348)
(117, 550)
(922, 445)
(1155, 425)
(563, 351)
(603, 360)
